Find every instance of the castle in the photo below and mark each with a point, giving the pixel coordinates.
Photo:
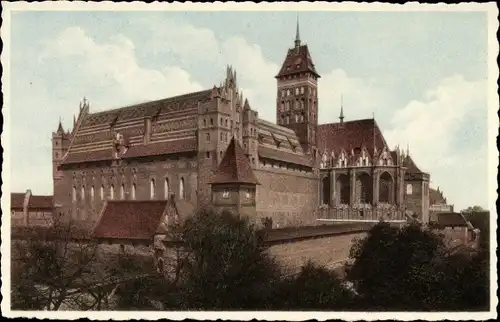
(301, 172)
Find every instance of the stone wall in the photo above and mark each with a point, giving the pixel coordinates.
(328, 251)
(289, 198)
(95, 180)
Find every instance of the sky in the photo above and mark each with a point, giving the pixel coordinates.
(422, 74)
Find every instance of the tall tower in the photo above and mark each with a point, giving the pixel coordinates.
(297, 95)
(60, 144)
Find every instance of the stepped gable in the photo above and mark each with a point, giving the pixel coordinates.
(93, 140)
(130, 219)
(298, 60)
(350, 135)
(234, 167)
(436, 197)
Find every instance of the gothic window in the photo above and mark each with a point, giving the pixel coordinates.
(226, 122)
(282, 107)
(211, 121)
(287, 120)
(133, 191)
(287, 106)
(208, 155)
(326, 190)
(166, 188)
(222, 136)
(225, 194)
(122, 191)
(296, 118)
(302, 90)
(297, 104)
(248, 195)
(385, 188)
(111, 192)
(181, 189)
(287, 92)
(345, 189)
(83, 193)
(204, 122)
(409, 189)
(297, 91)
(92, 193)
(74, 193)
(221, 123)
(102, 192)
(282, 93)
(365, 191)
(152, 188)
(207, 135)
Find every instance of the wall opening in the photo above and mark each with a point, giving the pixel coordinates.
(366, 189)
(385, 188)
(325, 183)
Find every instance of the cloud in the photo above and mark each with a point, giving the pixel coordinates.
(115, 64)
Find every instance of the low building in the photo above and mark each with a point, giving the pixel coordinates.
(31, 210)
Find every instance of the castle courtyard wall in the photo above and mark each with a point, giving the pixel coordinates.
(290, 198)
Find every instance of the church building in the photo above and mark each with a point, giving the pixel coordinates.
(296, 172)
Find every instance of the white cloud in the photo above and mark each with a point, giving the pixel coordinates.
(115, 63)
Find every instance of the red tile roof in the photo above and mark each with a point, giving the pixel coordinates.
(89, 156)
(234, 167)
(274, 154)
(181, 145)
(135, 220)
(410, 165)
(17, 200)
(41, 202)
(350, 135)
(297, 61)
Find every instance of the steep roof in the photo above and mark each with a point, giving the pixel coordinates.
(436, 197)
(298, 60)
(174, 123)
(234, 167)
(410, 165)
(135, 220)
(350, 135)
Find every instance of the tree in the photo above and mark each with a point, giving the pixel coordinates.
(411, 269)
(48, 264)
(226, 266)
(313, 288)
(472, 209)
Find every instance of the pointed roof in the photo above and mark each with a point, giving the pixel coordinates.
(411, 166)
(297, 34)
(60, 127)
(298, 60)
(234, 167)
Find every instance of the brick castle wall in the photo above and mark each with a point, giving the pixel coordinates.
(290, 199)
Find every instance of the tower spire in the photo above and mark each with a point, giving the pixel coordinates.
(341, 117)
(297, 34)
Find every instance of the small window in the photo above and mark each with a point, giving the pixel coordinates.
(220, 153)
(92, 193)
(225, 194)
(211, 121)
(74, 193)
(133, 191)
(248, 195)
(208, 155)
(409, 189)
(302, 90)
(152, 188)
(297, 91)
(287, 92)
(112, 192)
(204, 122)
(181, 189)
(83, 192)
(102, 192)
(226, 122)
(283, 93)
(207, 136)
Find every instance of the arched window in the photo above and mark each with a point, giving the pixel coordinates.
(296, 118)
(83, 193)
(297, 91)
(181, 189)
(112, 192)
(133, 191)
(326, 190)
(152, 188)
(288, 92)
(409, 189)
(211, 121)
(92, 193)
(102, 192)
(74, 193)
(204, 122)
(166, 188)
(366, 189)
(122, 191)
(345, 189)
(385, 188)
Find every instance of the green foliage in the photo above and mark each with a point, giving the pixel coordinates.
(227, 268)
(314, 288)
(410, 269)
